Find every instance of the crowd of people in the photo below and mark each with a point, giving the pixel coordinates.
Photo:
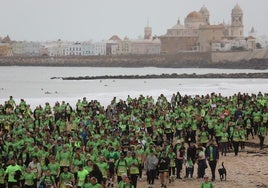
(91, 146)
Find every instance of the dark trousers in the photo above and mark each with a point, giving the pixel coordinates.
(250, 131)
(261, 141)
(189, 172)
(212, 165)
(236, 147)
(178, 167)
(151, 176)
(202, 165)
(140, 170)
(11, 184)
(134, 178)
(223, 148)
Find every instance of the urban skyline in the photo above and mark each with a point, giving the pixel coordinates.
(99, 20)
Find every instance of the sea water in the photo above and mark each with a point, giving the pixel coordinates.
(34, 84)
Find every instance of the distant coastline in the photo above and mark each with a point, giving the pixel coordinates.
(225, 60)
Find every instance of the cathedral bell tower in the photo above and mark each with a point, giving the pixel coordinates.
(237, 26)
(147, 32)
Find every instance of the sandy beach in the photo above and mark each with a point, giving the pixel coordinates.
(249, 169)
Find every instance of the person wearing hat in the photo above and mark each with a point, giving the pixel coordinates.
(206, 183)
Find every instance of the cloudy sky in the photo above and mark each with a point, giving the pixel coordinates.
(82, 20)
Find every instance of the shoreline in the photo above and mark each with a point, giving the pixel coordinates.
(170, 76)
(231, 60)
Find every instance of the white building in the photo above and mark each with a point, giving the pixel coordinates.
(78, 49)
(99, 48)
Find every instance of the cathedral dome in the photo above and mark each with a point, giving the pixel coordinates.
(194, 15)
(115, 38)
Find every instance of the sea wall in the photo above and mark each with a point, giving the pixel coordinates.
(174, 60)
(236, 56)
(257, 59)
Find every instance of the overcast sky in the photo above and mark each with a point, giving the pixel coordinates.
(83, 20)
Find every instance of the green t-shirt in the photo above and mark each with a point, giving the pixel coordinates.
(81, 176)
(54, 168)
(11, 170)
(66, 177)
(121, 167)
(206, 185)
(224, 137)
(2, 173)
(134, 165)
(29, 178)
(103, 168)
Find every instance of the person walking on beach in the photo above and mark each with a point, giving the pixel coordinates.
(163, 166)
(201, 161)
(150, 167)
(261, 134)
(236, 140)
(212, 155)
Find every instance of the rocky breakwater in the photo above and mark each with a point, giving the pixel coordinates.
(171, 76)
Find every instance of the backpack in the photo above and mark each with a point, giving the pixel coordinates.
(17, 175)
(117, 164)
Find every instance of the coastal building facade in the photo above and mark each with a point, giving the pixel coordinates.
(5, 50)
(25, 48)
(197, 34)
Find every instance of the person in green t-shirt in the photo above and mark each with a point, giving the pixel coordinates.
(206, 183)
(81, 176)
(125, 182)
(236, 140)
(134, 164)
(261, 134)
(121, 167)
(13, 172)
(93, 183)
(48, 180)
(224, 141)
(66, 178)
(29, 178)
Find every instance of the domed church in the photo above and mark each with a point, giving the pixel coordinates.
(197, 34)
